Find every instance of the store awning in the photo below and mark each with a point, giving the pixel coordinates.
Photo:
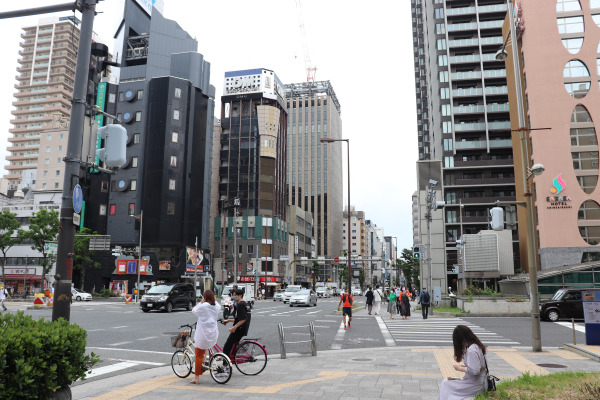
(20, 278)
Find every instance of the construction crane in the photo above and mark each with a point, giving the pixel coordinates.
(311, 70)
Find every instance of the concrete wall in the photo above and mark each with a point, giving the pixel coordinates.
(493, 305)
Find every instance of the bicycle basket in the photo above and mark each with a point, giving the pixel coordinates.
(179, 340)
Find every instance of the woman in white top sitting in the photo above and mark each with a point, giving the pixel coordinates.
(207, 331)
(468, 349)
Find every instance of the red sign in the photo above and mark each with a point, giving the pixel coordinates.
(336, 260)
(251, 279)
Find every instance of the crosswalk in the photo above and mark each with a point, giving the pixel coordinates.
(438, 330)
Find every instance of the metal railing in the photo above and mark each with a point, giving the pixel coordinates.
(312, 341)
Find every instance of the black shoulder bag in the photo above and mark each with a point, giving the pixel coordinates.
(490, 380)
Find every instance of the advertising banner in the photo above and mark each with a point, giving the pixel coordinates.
(121, 266)
(591, 314)
(164, 265)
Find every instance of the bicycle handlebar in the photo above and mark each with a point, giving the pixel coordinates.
(188, 326)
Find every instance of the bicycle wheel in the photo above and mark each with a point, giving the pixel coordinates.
(220, 368)
(181, 364)
(250, 358)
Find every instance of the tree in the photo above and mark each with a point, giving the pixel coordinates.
(315, 269)
(83, 254)
(9, 225)
(361, 278)
(342, 275)
(410, 268)
(43, 228)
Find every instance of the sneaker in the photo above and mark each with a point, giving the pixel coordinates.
(344, 327)
(349, 325)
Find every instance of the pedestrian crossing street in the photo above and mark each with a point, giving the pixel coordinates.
(437, 331)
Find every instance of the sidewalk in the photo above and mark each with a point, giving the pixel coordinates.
(373, 373)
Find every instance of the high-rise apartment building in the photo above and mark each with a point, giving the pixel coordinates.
(315, 177)
(46, 74)
(462, 107)
(355, 233)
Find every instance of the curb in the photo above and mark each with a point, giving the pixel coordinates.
(583, 351)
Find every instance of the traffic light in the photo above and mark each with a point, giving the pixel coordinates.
(115, 142)
(416, 252)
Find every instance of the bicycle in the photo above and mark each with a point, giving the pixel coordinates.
(248, 356)
(184, 357)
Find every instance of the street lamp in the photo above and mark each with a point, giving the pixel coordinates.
(140, 218)
(526, 174)
(330, 140)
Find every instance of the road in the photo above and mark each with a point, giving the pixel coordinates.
(125, 338)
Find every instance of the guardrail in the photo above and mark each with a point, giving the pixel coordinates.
(312, 341)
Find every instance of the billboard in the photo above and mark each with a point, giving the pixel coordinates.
(258, 80)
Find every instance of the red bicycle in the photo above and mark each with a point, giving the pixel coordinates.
(249, 356)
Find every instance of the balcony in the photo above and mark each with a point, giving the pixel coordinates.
(494, 73)
(498, 107)
(486, 200)
(471, 58)
(487, 181)
(482, 144)
(491, 24)
(473, 109)
(496, 90)
(462, 27)
(499, 125)
(482, 163)
(492, 8)
(456, 76)
(474, 126)
(467, 92)
(463, 42)
(461, 11)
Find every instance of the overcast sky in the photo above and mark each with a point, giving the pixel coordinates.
(363, 47)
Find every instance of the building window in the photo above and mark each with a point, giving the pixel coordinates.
(173, 161)
(133, 184)
(61, 136)
(58, 160)
(112, 97)
(134, 162)
(136, 138)
(102, 209)
(43, 186)
(47, 149)
(46, 161)
(140, 94)
(138, 116)
(171, 184)
(178, 92)
(49, 137)
(170, 208)
(104, 186)
(174, 137)
(55, 185)
(176, 115)
(131, 210)
(45, 173)
(113, 209)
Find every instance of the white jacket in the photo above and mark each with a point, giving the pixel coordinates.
(207, 330)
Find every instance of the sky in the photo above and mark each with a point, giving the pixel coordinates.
(363, 47)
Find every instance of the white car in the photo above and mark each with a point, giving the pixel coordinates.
(289, 291)
(323, 292)
(303, 297)
(80, 295)
(356, 291)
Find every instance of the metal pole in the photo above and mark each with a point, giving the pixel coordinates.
(40, 10)
(25, 276)
(137, 293)
(281, 342)
(196, 270)
(66, 237)
(235, 250)
(349, 228)
(531, 245)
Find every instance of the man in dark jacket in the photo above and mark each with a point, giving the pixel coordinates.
(369, 295)
(425, 300)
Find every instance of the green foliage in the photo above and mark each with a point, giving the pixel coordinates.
(104, 292)
(411, 268)
(315, 269)
(43, 228)
(361, 278)
(475, 291)
(39, 356)
(83, 254)
(8, 227)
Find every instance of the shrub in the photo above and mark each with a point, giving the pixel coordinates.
(104, 292)
(475, 291)
(38, 357)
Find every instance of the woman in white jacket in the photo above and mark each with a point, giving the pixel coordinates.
(207, 331)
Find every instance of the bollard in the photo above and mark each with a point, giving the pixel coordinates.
(573, 323)
(128, 298)
(50, 301)
(282, 342)
(38, 300)
(313, 339)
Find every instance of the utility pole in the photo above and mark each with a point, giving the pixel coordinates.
(236, 203)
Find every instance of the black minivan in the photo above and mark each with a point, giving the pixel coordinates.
(168, 296)
(566, 303)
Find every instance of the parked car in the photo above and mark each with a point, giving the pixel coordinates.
(279, 295)
(338, 291)
(81, 295)
(168, 296)
(566, 303)
(303, 297)
(289, 291)
(356, 291)
(323, 292)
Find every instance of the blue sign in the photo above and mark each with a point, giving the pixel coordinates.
(77, 199)
(131, 267)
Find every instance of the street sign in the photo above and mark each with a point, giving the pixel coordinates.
(76, 219)
(50, 248)
(77, 199)
(336, 260)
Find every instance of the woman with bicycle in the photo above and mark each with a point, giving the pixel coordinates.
(207, 331)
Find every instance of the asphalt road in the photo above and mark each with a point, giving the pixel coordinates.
(125, 338)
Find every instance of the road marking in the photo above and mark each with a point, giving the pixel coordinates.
(521, 364)
(579, 328)
(110, 368)
(339, 338)
(148, 338)
(137, 362)
(135, 351)
(137, 389)
(96, 330)
(118, 344)
(387, 336)
(325, 320)
(313, 312)
(119, 327)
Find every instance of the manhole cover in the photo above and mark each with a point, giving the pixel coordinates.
(551, 366)
(386, 365)
(362, 359)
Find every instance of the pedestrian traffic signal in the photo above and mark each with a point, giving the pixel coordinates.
(113, 154)
(416, 252)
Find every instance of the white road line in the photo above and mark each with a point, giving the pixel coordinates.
(110, 368)
(579, 328)
(96, 330)
(313, 312)
(147, 338)
(128, 350)
(339, 338)
(387, 336)
(138, 362)
(119, 327)
(118, 344)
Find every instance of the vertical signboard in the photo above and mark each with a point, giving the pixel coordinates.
(591, 314)
(100, 102)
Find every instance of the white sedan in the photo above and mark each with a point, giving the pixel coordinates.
(304, 297)
(356, 292)
(323, 292)
(80, 295)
